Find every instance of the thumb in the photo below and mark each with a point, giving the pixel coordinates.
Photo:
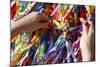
(85, 28)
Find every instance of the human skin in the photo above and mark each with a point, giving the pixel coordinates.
(29, 23)
(87, 44)
(35, 21)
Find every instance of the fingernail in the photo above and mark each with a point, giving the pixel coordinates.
(87, 24)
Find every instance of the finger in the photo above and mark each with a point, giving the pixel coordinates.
(42, 30)
(85, 28)
(91, 30)
(44, 25)
(43, 18)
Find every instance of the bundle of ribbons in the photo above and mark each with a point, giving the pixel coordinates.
(60, 43)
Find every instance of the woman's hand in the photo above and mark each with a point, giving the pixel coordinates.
(29, 23)
(87, 44)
